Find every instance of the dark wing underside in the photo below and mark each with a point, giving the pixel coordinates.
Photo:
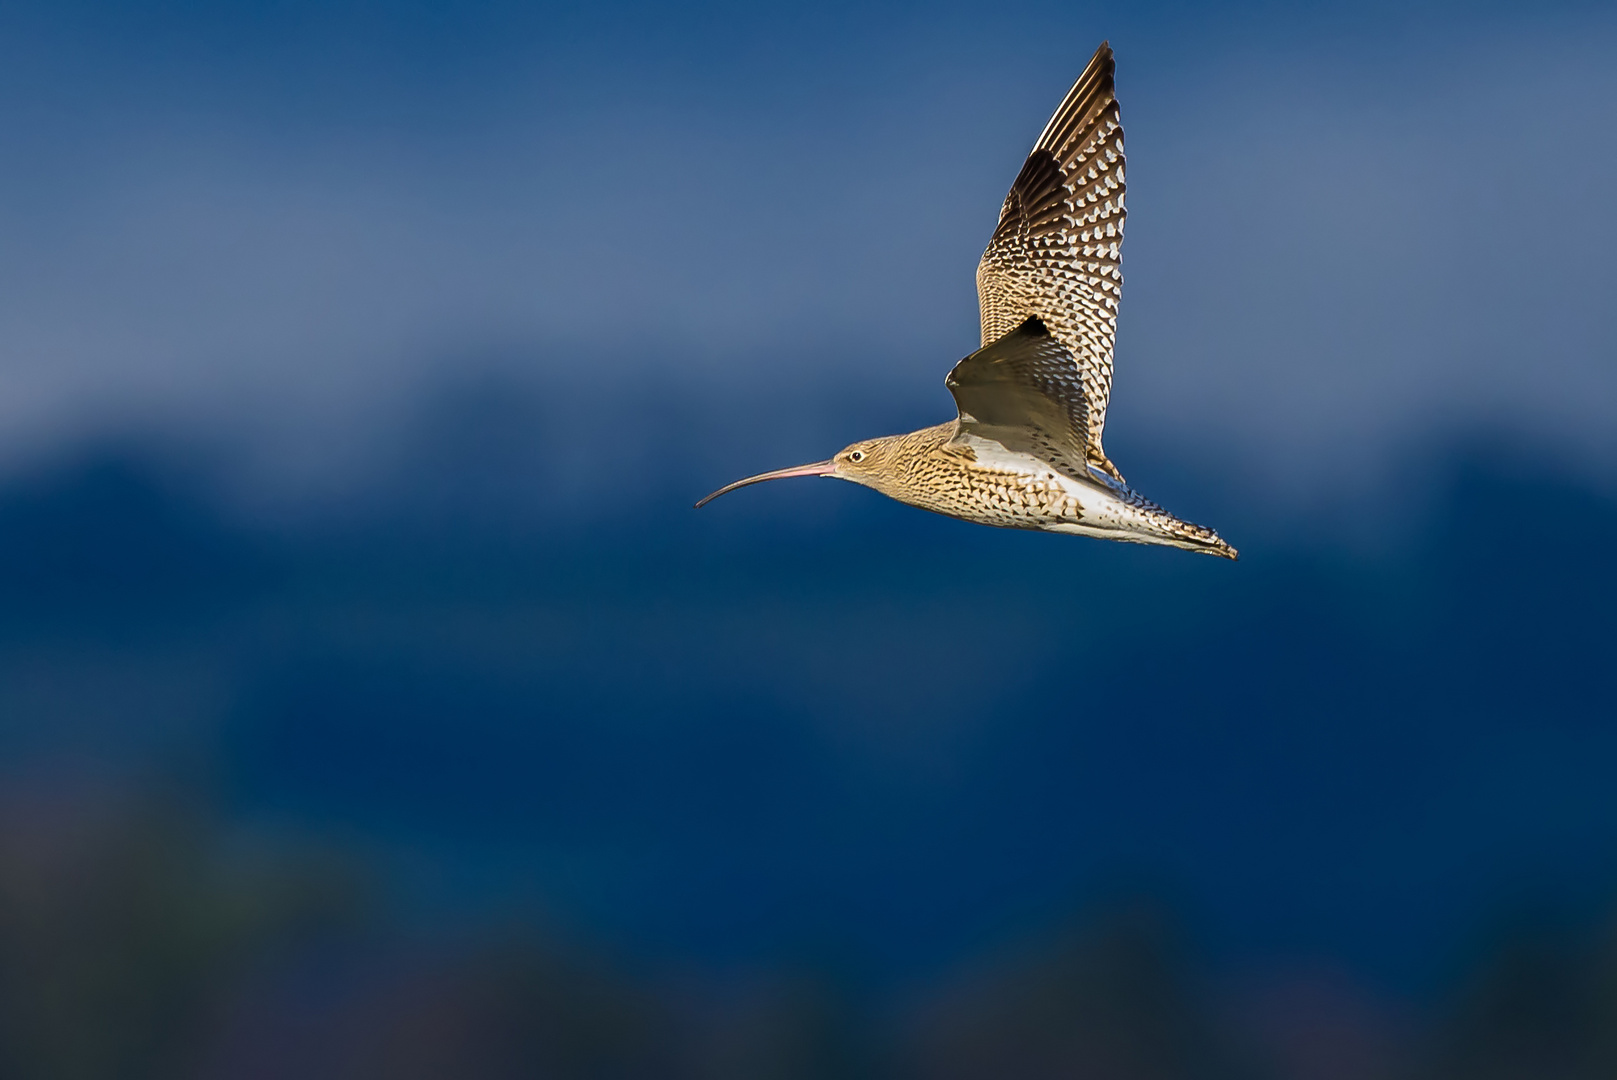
(1055, 254)
(1024, 392)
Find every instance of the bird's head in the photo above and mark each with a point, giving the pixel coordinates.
(862, 463)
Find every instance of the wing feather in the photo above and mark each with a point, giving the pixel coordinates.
(1023, 392)
(1055, 254)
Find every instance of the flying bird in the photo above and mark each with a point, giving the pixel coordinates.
(1025, 450)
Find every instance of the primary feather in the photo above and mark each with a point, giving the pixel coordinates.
(1056, 253)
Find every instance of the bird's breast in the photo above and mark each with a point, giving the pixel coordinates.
(997, 489)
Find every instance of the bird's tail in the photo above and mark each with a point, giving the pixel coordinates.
(1182, 534)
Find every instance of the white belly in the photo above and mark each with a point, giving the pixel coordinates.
(1101, 508)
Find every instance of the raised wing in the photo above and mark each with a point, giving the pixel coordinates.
(1055, 254)
(1024, 392)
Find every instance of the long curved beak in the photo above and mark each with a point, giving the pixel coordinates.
(819, 468)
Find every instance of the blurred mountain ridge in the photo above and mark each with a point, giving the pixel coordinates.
(832, 723)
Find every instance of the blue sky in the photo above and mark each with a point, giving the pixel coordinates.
(277, 229)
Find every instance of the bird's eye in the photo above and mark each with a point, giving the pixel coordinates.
(857, 456)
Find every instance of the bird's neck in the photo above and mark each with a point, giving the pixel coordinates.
(909, 461)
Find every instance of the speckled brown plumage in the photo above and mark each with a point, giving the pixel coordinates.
(1056, 253)
(1025, 450)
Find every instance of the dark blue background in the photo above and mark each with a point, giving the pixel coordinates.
(372, 702)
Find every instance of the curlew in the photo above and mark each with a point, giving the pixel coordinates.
(1025, 450)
